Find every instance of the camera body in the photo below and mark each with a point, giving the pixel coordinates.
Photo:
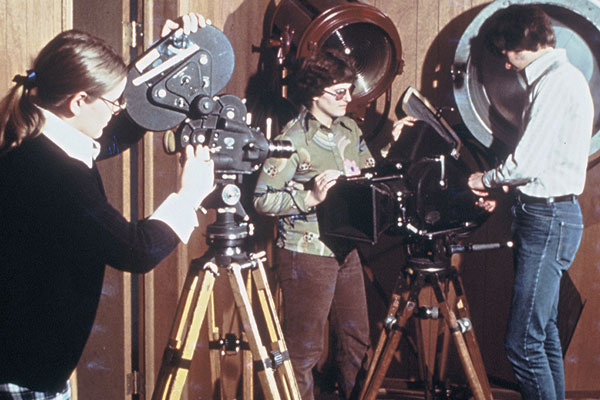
(220, 124)
(175, 84)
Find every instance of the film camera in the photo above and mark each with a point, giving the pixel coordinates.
(175, 84)
(420, 192)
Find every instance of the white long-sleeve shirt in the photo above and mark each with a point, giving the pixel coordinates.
(551, 156)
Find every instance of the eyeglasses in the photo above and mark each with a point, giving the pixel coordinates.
(339, 94)
(115, 106)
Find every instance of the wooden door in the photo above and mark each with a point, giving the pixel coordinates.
(105, 370)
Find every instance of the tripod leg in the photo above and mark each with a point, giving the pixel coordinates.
(214, 354)
(395, 302)
(389, 341)
(285, 372)
(190, 313)
(247, 362)
(425, 373)
(463, 312)
(443, 360)
(261, 357)
(459, 341)
(247, 371)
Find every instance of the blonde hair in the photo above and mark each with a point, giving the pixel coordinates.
(71, 62)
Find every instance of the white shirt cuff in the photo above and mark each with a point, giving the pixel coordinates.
(176, 212)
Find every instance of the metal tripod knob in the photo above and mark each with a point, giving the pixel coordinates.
(464, 324)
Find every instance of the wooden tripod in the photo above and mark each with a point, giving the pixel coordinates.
(421, 272)
(226, 237)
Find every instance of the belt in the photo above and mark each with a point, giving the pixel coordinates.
(525, 199)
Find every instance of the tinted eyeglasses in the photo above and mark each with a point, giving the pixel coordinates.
(340, 93)
(115, 106)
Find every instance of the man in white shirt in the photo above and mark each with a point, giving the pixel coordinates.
(547, 169)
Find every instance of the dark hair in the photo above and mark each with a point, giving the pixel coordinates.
(520, 27)
(71, 62)
(325, 68)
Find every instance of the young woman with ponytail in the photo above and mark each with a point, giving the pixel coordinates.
(57, 228)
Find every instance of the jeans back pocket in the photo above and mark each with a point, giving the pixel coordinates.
(568, 242)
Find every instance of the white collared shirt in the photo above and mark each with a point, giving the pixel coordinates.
(75, 143)
(175, 211)
(551, 156)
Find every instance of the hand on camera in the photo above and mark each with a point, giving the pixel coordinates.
(322, 183)
(485, 202)
(478, 188)
(189, 22)
(400, 124)
(197, 177)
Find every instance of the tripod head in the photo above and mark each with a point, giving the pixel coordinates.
(434, 252)
(227, 235)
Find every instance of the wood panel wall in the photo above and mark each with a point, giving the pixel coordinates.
(22, 35)
(429, 30)
(103, 372)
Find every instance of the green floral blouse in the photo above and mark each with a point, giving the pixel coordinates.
(283, 184)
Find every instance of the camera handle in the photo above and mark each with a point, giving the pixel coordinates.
(226, 237)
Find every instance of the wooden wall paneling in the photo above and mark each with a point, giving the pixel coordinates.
(105, 367)
(4, 50)
(583, 357)
(150, 25)
(427, 29)
(17, 59)
(403, 15)
(67, 14)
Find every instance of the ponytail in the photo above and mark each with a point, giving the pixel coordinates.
(72, 61)
(19, 117)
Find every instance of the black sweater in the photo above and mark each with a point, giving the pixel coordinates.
(57, 232)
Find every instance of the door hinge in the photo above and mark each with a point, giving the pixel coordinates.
(134, 383)
(133, 33)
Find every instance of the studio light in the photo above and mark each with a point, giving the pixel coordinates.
(303, 27)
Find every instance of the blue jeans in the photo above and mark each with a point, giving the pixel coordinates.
(546, 239)
(316, 288)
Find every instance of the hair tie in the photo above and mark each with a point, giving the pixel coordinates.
(28, 81)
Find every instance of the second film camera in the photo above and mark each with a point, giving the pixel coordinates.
(420, 192)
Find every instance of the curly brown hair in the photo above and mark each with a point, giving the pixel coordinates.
(325, 68)
(520, 27)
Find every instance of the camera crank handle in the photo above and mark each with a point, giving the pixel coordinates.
(468, 248)
(442, 161)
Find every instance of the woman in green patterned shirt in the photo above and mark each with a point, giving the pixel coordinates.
(315, 284)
